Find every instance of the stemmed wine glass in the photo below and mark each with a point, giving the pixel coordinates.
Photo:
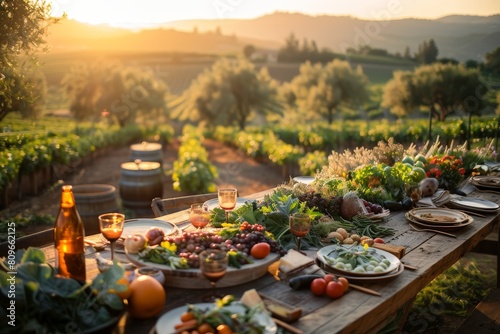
(227, 200)
(111, 225)
(199, 216)
(213, 265)
(300, 224)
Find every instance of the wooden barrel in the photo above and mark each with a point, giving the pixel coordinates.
(93, 200)
(140, 182)
(146, 152)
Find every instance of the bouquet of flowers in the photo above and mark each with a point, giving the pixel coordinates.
(448, 170)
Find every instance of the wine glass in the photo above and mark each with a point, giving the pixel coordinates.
(227, 200)
(300, 224)
(199, 216)
(111, 225)
(213, 265)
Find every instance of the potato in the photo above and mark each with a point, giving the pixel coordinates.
(335, 235)
(343, 232)
(355, 237)
(348, 241)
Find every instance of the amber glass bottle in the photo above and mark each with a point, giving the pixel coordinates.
(69, 233)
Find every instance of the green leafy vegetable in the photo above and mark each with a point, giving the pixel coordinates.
(47, 303)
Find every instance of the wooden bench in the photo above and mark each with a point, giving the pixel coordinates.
(486, 316)
(163, 206)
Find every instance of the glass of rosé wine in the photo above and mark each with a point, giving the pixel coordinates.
(111, 226)
(213, 265)
(199, 216)
(227, 200)
(300, 224)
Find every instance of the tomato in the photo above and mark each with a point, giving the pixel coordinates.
(260, 250)
(334, 289)
(344, 282)
(379, 240)
(224, 329)
(318, 287)
(329, 277)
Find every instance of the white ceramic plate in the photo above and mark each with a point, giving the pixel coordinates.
(438, 216)
(444, 228)
(474, 203)
(141, 225)
(214, 203)
(487, 181)
(166, 323)
(387, 276)
(325, 252)
(304, 179)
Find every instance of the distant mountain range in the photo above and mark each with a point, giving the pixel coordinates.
(459, 37)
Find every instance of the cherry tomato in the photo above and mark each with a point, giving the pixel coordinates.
(318, 287)
(334, 289)
(260, 250)
(344, 282)
(379, 240)
(329, 277)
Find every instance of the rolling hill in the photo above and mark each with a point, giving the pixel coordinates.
(457, 36)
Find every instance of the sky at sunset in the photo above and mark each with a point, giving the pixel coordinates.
(147, 13)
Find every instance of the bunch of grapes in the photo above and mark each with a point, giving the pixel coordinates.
(251, 234)
(328, 206)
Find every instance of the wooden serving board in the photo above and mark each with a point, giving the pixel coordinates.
(193, 279)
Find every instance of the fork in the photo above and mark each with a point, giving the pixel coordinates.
(430, 230)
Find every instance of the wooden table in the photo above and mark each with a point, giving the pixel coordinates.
(355, 312)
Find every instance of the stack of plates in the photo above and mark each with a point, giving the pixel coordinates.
(438, 218)
(474, 204)
(486, 182)
(394, 269)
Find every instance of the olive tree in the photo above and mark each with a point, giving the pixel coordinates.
(442, 88)
(230, 92)
(108, 89)
(320, 90)
(22, 32)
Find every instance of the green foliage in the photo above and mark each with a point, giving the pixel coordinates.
(451, 293)
(24, 219)
(492, 61)
(192, 172)
(231, 92)
(120, 93)
(46, 302)
(22, 33)
(27, 146)
(443, 88)
(320, 90)
(312, 162)
(427, 52)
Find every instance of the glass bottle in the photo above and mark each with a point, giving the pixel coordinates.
(69, 233)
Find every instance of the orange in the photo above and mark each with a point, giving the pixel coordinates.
(147, 297)
(123, 294)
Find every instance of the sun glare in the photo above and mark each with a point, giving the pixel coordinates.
(147, 13)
